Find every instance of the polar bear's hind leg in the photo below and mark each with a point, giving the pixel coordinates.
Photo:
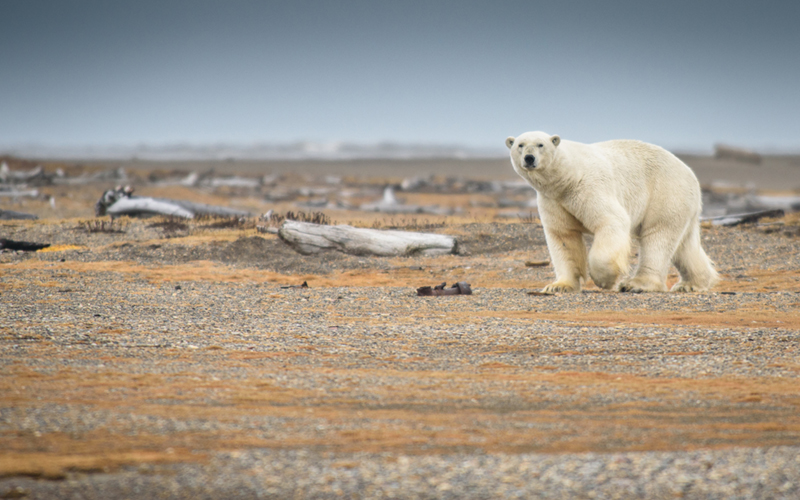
(696, 269)
(655, 255)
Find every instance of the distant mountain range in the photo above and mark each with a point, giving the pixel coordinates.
(260, 151)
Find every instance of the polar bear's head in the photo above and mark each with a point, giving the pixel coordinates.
(532, 151)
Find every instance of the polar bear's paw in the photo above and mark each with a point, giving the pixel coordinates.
(638, 285)
(685, 286)
(561, 287)
(630, 288)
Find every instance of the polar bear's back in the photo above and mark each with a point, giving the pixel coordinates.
(629, 154)
(647, 163)
(649, 175)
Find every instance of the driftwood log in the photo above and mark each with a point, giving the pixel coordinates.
(15, 193)
(120, 201)
(137, 205)
(25, 246)
(308, 238)
(8, 176)
(142, 205)
(736, 219)
(12, 215)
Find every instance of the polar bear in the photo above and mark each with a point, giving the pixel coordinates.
(615, 190)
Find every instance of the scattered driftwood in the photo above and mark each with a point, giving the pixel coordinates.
(20, 193)
(537, 263)
(120, 201)
(438, 184)
(12, 215)
(115, 175)
(208, 179)
(304, 285)
(234, 182)
(25, 246)
(8, 176)
(460, 288)
(309, 238)
(736, 219)
(720, 200)
(724, 152)
(189, 180)
(389, 204)
(789, 203)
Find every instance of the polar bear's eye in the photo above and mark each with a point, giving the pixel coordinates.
(541, 145)
(520, 146)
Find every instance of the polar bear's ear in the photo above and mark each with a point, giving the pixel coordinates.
(556, 140)
(510, 141)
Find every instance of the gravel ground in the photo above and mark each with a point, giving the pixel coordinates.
(731, 474)
(142, 364)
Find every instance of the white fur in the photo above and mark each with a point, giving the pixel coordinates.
(615, 190)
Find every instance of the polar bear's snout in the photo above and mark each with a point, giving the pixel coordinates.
(530, 161)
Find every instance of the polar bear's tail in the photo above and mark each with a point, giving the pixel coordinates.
(695, 267)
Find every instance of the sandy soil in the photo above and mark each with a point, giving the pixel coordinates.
(160, 360)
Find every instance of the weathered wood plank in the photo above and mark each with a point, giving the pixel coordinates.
(120, 201)
(308, 238)
(736, 219)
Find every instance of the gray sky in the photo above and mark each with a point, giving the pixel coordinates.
(684, 74)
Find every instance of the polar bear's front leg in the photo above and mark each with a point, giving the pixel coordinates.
(564, 235)
(609, 258)
(568, 253)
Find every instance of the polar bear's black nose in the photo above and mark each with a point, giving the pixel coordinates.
(529, 159)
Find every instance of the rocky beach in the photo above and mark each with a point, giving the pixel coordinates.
(182, 358)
